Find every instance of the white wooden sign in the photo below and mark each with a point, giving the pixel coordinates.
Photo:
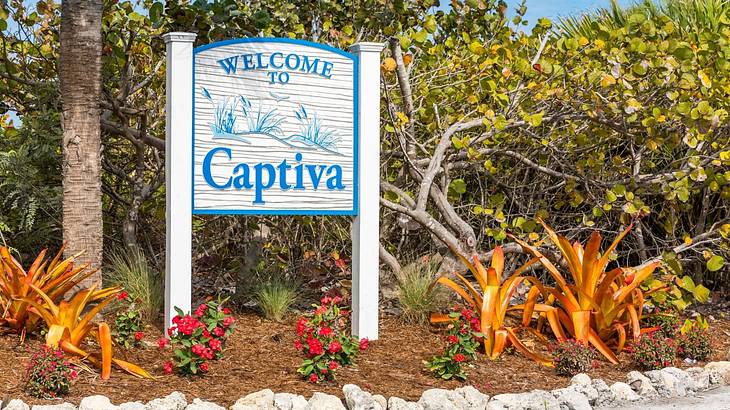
(274, 128)
(265, 126)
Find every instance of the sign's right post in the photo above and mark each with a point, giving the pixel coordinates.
(366, 226)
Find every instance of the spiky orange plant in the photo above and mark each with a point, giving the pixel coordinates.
(70, 323)
(599, 306)
(54, 278)
(493, 302)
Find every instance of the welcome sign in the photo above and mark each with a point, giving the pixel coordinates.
(274, 128)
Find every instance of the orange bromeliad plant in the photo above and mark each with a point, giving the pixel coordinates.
(493, 302)
(68, 326)
(598, 306)
(54, 278)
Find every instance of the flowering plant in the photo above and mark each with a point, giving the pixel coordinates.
(572, 357)
(462, 341)
(48, 373)
(693, 341)
(199, 337)
(652, 351)
(128, 324)
(324, 339)
(665, 320)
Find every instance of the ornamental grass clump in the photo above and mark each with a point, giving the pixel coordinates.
(48, 373)
(198, 338)
(693, 341)
(416, 294)
(462, 342)
(572, 357)
(131, 270)
(323, 336)
(274, 297)
(652, 351)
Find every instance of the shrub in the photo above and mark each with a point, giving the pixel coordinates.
(416, 294)
(324, 339)
(652, 351)
(48, 373)
(693, 342)
(128, 325)
(131, 270)
(666, 321)
(572, 357)
(274, 297)
(199, 337)
(462, 342)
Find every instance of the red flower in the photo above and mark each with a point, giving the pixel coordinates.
(74, 374)
(198, 349)
(334, 347)
(458, 358)
(301, 325)
(226, 311)
(313, 378)
(364, 343)
(200, 311)
(170, 330)
(138, 336)
(167, 367)
(326, 300)
(298, 345)
(333, 365)
(163, 342)
(452, 339)
(324, 371)
(204, 367)
(315, 347)
(215, 344)
(336, 300)
(219, 332)
(227, 322)
(324, 331)
(123, 296)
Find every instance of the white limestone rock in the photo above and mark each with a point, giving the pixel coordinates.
(641, 385)
(173, 401)
(396, 403)
(606, 397)
(260, 400)
(62, 406)
(624, 393)
(322, 401)
(534, 400)
(288, 401)
(476, 399)
(199, 404)
(96, 403)
(572, 399)
(16, 404)
(358, 399)
(441, 399)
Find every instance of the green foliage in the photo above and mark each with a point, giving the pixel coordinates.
(572, 357)
(417, 295)
(48, 373)
(462, 342)
(652, 351)
(275, 296)
(130, 270)
(666, 321)
(128, 327)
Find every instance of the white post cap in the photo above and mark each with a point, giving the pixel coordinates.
(366, 47)
(179, 37)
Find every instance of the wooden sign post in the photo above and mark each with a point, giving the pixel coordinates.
(270, 126)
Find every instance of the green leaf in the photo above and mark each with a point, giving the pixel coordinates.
(701, 293)
(715, 263)
(155, 12)
(458, 186)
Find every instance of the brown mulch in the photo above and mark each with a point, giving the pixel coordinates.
(261, 354)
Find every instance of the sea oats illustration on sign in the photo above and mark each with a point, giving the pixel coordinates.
(241, 119)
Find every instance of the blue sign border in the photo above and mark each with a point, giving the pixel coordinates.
(356, 136)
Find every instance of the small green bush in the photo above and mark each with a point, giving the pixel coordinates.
(652, 351)
(666, 322)
(131, 270)
(462, 341)
(48, 373)
(416, 294)
(274, 297)
(693, 341)
(572, 357)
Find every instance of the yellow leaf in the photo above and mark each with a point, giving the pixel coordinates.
(533, 236)
(402, 117)
(706, 82)
(599, 43)
(607, 80)
(687, 240)
(582, 41)
(389, 64)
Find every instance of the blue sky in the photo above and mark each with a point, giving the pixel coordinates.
(553, 9)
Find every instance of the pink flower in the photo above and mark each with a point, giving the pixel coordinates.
(74, 374)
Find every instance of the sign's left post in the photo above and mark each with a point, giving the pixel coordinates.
(178, 172)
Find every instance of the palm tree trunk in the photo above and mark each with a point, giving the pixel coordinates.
(80, 78)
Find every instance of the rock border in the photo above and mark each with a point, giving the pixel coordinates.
(583, 393)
